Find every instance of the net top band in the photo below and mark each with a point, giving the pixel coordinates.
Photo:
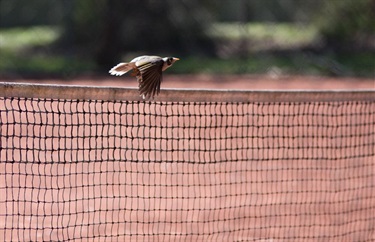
(51, 91)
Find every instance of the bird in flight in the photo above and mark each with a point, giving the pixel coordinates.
(148, 70)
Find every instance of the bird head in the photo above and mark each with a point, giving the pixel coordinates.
(168, 62)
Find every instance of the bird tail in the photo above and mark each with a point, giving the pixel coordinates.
(122, 68)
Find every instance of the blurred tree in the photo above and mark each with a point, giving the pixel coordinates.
(268, 11)
(347, 22)
(16, 13)
(106, 29)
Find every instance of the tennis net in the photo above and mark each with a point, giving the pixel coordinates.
(92, 163)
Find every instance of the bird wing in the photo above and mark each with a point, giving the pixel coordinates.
(150, 77)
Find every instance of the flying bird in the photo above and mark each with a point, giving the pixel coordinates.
(148, 70)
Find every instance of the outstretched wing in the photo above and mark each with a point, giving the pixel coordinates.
(150, 77)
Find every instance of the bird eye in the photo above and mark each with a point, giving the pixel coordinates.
(169, 61)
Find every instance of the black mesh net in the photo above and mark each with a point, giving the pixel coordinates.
(209, 171)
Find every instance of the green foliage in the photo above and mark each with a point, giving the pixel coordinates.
(347, 21)
(23, 38)
(25, 51)
(349, 64)
(277, 35)
(22, 13)
(106, 29)
(247, 36)
(41, 65)
(267, 10)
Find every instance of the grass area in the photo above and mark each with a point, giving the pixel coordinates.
(26, 51)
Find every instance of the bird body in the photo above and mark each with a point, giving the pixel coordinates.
(148, 70)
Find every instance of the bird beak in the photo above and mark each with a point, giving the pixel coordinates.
(175, 59)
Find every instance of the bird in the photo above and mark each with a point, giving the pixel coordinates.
(148, 71)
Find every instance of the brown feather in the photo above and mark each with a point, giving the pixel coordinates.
(135, 72)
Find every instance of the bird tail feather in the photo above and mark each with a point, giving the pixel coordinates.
(121, 69)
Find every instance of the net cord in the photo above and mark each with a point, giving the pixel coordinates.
(54, 91)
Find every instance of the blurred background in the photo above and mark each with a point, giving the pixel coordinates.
(71, 38)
